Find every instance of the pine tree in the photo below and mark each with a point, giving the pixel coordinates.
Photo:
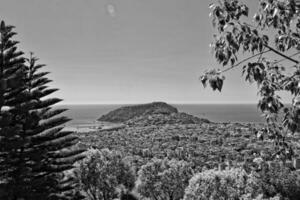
(55, 148)
(37, 153)
(11, 86)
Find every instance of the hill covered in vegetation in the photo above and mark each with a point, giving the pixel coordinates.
(154, 147)
(129, 112)
(180, 136)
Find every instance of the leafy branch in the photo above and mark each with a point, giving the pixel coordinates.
(235, 37)
(244, 60)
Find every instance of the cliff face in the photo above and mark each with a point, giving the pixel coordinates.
(129, 112)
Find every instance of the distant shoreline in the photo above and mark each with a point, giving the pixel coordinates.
(85, 115)
(62, 104)
(173, 104)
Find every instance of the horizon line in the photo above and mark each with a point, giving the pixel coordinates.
(171, 102)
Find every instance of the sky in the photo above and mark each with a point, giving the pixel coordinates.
(124, 51)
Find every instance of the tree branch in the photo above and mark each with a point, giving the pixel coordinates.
(259, 58)
(233, 66)
(274, 50)
(285, 58)
(281, 54)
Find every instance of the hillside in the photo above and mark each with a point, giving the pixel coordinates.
(203, 144)
(158, 119)
(159, 130)
(149, 133)
(129, 112)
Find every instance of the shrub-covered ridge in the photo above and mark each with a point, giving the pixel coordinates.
(128, 112)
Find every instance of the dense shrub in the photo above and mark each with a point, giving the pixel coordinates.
(277, 179)
(270, 182)
(102, 173)
(164, 179)
(212, 184)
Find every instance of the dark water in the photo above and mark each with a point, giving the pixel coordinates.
(87, 114)
(224, 112)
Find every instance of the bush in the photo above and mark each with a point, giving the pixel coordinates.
(164, 179)
(102, 173)
(212, 184)
(271, 182)
(277, 179)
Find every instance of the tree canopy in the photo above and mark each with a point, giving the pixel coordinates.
(103, 174)
(164, 179)
(265, 48)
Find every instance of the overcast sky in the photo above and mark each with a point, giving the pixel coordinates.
(124, 51)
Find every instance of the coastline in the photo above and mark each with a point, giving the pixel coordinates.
(85, 115)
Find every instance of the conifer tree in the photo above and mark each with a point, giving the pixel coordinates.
(11, 86)
(36, 152)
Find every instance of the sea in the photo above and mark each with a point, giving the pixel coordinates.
(84, 117)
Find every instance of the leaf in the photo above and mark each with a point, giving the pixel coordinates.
(245, 10)
(2, 26)
(255, 32)
(232, 60)
(257, 17)
(260, 46)
(296, 102)
(265, 39)
(275, 12)
(203, 80)
(211, 5)
(219, 84)
(212, 84)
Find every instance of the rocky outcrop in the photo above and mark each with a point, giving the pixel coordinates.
(126, 113)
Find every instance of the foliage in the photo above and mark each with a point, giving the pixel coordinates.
(199, 144)
(270, 182)
(164, 179)
(103, 172)
(34, 152)
(277, 180)
(212, 184)
(271, 73)
(11, 79)
(126, 113)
